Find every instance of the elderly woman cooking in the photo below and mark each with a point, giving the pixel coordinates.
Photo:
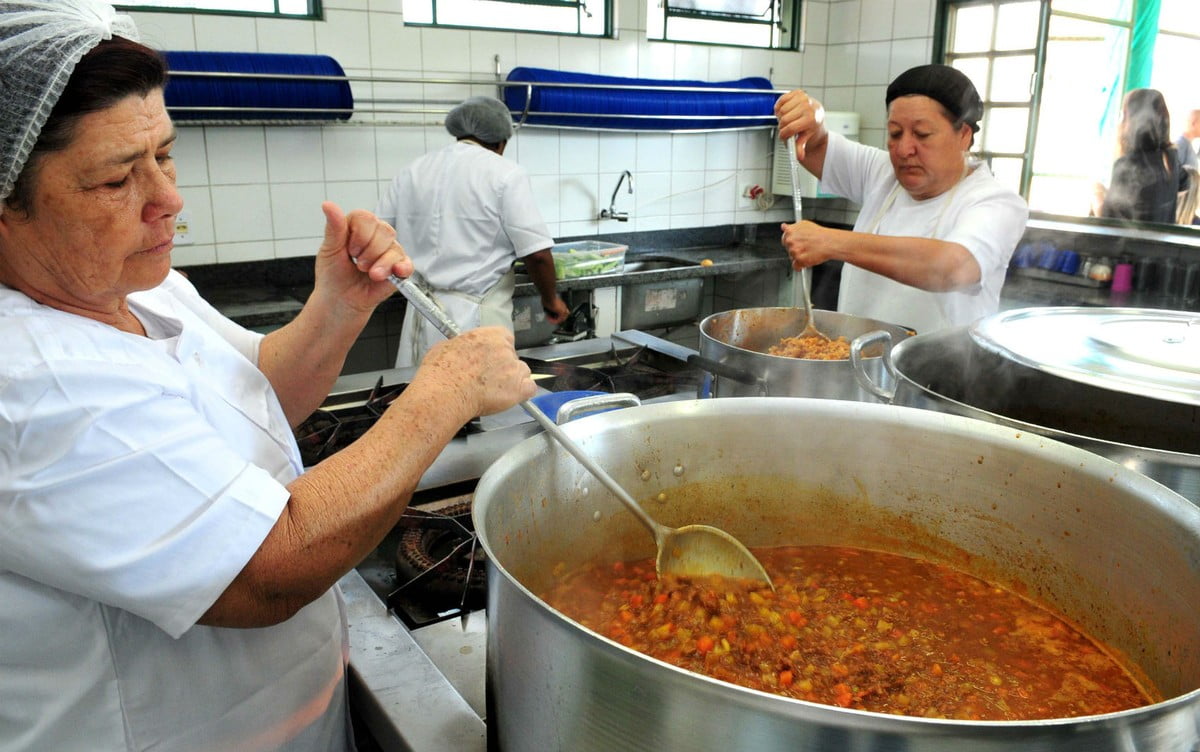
(168, 568)
(935, 230)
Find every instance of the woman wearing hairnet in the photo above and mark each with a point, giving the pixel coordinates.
(935, 231)
(464, 214)
(168, 568)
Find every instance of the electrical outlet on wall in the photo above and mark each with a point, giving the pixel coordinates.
(183, 235)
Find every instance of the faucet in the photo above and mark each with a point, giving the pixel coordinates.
(611, 212)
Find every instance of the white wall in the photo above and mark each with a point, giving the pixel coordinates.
(253, 192)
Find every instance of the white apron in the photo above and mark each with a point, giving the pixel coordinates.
(494, 308)
(914, 307)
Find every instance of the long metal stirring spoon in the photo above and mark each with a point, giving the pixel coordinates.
(688, 550)
(801, 280)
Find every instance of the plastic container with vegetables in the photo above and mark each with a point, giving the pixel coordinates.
(587, 258)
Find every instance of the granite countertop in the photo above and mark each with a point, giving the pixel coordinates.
(257, 306)
(260, 303)
(729, 259)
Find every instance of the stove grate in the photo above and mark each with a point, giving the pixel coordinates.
(439, 565)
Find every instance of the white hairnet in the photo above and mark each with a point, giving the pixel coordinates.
(41, 41)
(483, 118)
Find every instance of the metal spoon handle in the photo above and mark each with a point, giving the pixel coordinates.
(794, 168)
(429, 308)
(425, 305)
(590, 465)
(802, 279)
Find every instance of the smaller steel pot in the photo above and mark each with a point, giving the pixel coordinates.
(733, 347)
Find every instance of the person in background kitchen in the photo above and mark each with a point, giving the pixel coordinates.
(1186, 145)
(465, 214)
(1189, 140)
(168, 569)
(1147, 176)
(935, 231)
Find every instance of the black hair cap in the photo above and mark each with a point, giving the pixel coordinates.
(944, 84)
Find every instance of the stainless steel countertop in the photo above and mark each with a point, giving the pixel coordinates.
(405, 700)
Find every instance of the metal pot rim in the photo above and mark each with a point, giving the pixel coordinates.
(1119, 349)
(708, 321)
(897, 353)
(504, 509)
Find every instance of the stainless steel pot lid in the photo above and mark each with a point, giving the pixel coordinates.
(1148, 352)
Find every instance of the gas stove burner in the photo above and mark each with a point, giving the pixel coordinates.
(440, 566)
(325, 432)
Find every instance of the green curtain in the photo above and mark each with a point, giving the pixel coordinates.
(1141, 44)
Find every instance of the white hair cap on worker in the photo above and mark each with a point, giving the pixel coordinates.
(41, 41)
(485, 119)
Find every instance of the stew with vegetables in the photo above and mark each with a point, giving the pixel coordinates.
(859, 629)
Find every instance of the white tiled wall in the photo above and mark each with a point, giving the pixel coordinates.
(254, 192)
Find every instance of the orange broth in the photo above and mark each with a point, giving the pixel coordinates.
(858, 629)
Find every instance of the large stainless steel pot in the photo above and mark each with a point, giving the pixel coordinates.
(1116, 552)
(733, 346)
(947, 371)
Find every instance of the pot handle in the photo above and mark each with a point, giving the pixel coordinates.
(594, 404)
(727, 371)
(860, 370)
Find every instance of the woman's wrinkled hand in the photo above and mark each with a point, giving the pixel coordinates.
(356, 257)
(482, 366)
(801, 116)
(807, 243)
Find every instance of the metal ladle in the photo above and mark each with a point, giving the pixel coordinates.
(802, 279)
(688, 550)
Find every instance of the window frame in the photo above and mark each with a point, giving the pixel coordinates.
(315, 11)
(608, 10)
(943, 35)
(791, 39)
(941, 40)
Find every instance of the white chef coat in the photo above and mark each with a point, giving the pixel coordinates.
(980, 213)
(463, 214)
(138, 475)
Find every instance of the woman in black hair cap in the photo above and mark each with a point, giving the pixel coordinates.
(935, 231)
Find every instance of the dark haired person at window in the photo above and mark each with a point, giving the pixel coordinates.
(1189, 139)
(168, 568)
(1186, 144)
(935, 231)
(1147, 176)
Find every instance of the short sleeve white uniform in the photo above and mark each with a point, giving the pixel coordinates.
(981, 214)
(138, 475)
(464, 214)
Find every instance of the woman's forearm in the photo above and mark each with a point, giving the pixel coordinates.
(540, 266)
(340, 509)
(925, 263)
